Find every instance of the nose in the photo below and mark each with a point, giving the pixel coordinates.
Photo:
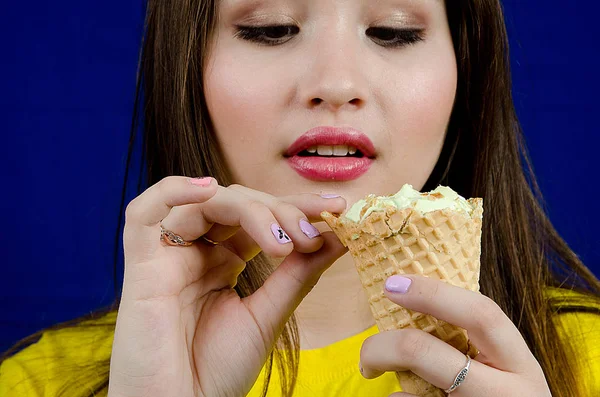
(335, 78)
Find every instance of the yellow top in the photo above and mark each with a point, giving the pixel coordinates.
(68, 357)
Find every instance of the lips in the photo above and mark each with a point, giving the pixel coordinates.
(331, 136)
(331, 168)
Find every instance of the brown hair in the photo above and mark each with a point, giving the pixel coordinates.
(484, 155)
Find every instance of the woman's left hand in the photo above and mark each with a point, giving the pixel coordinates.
(505, 366)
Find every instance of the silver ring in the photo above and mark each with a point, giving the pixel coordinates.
(172, 239)
(460, 378)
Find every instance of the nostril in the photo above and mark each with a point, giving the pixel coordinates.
(320, 101)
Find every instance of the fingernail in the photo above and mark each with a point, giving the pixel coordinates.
(201, 181)
(398, 284)
(308, 229)
(279, 234)
(330, 196)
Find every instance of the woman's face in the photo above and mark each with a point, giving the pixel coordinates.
(341, 73)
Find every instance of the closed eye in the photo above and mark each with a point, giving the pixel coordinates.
(272, 35)
(267, 35)
(394, 38)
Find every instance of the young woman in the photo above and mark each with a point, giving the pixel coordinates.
(288, 108)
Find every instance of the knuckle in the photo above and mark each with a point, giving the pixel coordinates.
(486, 313)
(366, 347)
(133, 211)
(412, 344)
(257, 208)
(292, 275)
(283, 207)
(299, 200)
(284, 250)
(167, 181)
(163, 185)
(235, 186)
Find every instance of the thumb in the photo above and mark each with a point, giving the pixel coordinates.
(275, 301)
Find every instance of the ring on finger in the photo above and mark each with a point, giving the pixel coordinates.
(172, 239)
(460, 377)
(207, 241)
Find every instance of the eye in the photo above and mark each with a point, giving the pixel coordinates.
(393, 38)
(267, 35)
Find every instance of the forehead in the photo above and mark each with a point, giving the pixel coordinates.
(423, 9)
(250, 4)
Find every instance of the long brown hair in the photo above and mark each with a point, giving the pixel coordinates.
(484, 155)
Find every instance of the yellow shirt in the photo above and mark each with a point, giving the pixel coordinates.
(61, 357)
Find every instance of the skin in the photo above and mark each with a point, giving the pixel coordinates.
(264, 98)
(182, 330)
(505, 366)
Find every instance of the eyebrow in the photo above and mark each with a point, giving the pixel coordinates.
(244, 6)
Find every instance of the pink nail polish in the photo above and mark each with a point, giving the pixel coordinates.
(205, 181)
(280, 235)
(398, 284)
(308, 229)
(330, 196)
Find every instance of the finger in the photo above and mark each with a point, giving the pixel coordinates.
(242, 245)
(499, 341)
(141, 232)
(230, 208)
(190, 223)
(274, 302)
(223, 276)
(219, 269)
(289, 213)
(306, 237)
(221, 232)
(425, 355)
(309, 203)
(313, 204)
(159, 279)
(235, 239)
(187, 221)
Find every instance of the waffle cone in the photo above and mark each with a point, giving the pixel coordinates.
(443, 244)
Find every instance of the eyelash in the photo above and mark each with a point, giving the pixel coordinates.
(394, 38)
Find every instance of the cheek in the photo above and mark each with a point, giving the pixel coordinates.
(431, 102)
(425, 98)
(243, 106)
(240, 99)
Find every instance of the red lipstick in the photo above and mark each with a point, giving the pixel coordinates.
(330, 167)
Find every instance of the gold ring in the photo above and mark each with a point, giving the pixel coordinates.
(172, 239)
(208, 241)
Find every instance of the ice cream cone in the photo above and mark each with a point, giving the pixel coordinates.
(444, 244)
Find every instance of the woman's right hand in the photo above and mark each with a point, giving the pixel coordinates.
(182, 330)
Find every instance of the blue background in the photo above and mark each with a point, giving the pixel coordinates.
(67, 88)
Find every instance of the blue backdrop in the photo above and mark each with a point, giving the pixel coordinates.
(68, 78)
